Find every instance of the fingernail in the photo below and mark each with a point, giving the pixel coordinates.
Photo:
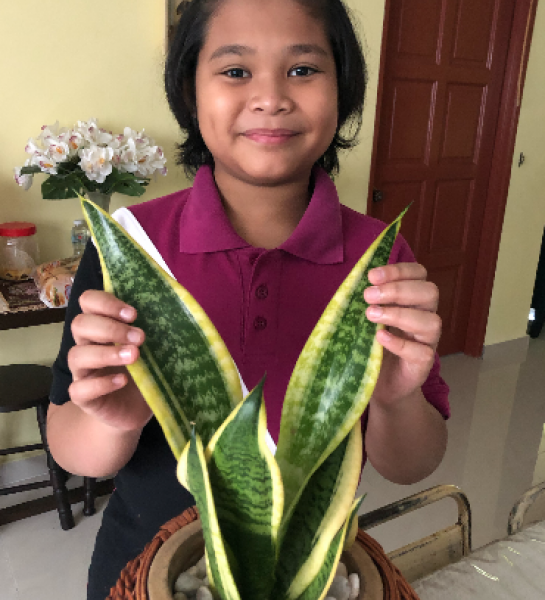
(125, 354)
(118, 380)
(373, 294)
(374, 312)
(378, 275)
(134, 336)
(386, 335)
(127, 314)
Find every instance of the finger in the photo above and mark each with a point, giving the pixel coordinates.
(423, 326)
(84, 360)
(397, 272)
(97, 329)
(410, 351)
(416, 293)
(89, 393)
(103, 303)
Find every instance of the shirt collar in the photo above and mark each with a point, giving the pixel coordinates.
(318, 238)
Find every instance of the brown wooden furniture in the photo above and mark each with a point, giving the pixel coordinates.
(28, 318)
(433, 552)
(31, 318)
(23, 387)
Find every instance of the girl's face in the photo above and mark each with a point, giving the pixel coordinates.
(266, 90)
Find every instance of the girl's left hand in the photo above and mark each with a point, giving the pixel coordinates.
(406, 303)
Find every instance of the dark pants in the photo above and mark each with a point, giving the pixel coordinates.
(120, 539)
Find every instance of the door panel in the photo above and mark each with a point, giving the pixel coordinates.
(413, 38)
(474, 28)
(464, 113)
(411, 121)
(443, 76)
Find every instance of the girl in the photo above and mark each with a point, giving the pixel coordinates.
(265, 91)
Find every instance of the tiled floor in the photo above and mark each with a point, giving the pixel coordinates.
(495, 438)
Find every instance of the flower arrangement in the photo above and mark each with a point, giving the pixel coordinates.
(275, 520)
(87, 158)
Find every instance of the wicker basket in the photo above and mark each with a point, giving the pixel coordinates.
(135, 578)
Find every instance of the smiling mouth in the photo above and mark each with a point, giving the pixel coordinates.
(270, 136)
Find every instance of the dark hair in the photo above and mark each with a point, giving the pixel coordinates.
(181, 66)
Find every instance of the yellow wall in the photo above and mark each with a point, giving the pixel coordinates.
(525, 211)
(68, 61)
(71, 60)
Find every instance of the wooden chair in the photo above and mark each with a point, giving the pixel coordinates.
(25, 387)
(435, 551)
(529, 509)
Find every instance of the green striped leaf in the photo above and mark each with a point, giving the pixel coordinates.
(334, 377)
(318, 515)
(318, 588)
(352, 527)
(248, 494)
(185, 371)
(220, 561)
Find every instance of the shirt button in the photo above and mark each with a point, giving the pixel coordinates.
(253, 258)
(260, 323)
(261, 292)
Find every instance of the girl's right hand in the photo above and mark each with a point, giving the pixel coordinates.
(105, 343)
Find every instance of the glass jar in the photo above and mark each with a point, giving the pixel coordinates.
(19, 252)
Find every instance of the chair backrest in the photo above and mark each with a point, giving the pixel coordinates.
(529, 509)
(423, 557)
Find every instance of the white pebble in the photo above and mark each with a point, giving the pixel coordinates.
(193, 571)
(340, 589)
(354, 581)
(341, 570)
(203, 593)
(187, 583)
(201, 568)
(330, 598)
(179, 596)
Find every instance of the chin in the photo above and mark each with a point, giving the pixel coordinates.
(272, 173)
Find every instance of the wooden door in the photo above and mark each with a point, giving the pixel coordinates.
(444, 68)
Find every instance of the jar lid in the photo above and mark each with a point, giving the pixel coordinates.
(17, 229)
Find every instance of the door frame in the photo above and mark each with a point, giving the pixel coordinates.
(502, 160)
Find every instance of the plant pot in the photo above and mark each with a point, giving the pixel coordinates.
(100, 199)
(185, 547)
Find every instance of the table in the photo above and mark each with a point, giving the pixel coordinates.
(512, 568)
(40, 315)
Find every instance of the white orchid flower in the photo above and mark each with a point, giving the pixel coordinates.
(96, 163)
(75, 141)
(25, 181)
(58, 150)
(32, 147)
(150, 161)
(99, 151)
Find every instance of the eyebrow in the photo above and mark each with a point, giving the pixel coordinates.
(294, 50)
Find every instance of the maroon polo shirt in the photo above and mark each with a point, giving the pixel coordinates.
(265, 303)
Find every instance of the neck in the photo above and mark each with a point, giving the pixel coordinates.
(263, 216)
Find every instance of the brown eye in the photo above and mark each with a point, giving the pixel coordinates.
(236, 73)
(302, 71)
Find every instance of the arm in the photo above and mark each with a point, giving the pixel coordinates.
(406, 436)
(84, 446)
(96, 433)
(406, 443)
(97, 413)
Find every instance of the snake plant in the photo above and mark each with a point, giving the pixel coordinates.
(274, 525)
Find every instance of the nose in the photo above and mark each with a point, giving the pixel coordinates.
(270, 95)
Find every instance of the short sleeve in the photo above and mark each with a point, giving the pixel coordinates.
(88, 277)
